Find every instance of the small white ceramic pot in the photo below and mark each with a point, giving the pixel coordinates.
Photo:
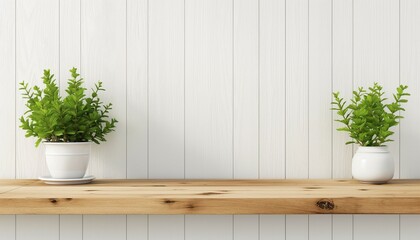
(373, 165)
(67, 160)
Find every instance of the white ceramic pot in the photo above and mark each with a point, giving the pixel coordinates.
(373, 165)
(67, 160)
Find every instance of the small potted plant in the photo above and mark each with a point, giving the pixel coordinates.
(66, 125)
(368, 120)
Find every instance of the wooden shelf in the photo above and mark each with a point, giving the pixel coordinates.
(210, 197)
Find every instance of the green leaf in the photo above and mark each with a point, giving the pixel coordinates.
(74, 118)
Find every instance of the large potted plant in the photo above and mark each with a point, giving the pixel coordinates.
(368, 120)
(66, 125)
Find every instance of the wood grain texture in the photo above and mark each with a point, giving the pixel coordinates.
(103, 50)
(37, 48)
(47, 35)
(342, 68)
(320, 85)
(297, 104)
(8, 88)
(320, 58)
(166, 89)
(245, 91)
(410, 75)
(272, 89)
(70, 226)
(410, 132)
(212, 197)
(246, 105)
(208, 89)
(376, 59)
(69, 40)
(272, 100)
(297, 89)
(103, 57)
(137, 89)
(342, 74)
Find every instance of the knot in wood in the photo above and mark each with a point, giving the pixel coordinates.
(326, 204)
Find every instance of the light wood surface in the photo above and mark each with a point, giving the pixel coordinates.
(210, 197)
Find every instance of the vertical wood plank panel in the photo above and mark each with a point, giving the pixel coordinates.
(37, 48)
(410, 227)
(104, 58)
(246, 227)
(137, 85)
(384, 227)
(376, 59)
(7, 227)
(166, 89)
(272, 89)
(297, 105)
(272, 104)
(342, 81)
(7, 90)
(208, 104)
(342, 227)
(320, 227)
(208, 227)
(320, 124)
(104, 227)
(166, 227)
(166, 105)
(297, 227)
(137, 227)
(44, 227)
(410, 75)
(297, 89)
(103, 50)
(208, 89)
(410, 133)
(245, 92)
(342, 67)
(245, 109)
(320, 86)
(69, 39)
(376, 51)
(272, 227)
(71, 227)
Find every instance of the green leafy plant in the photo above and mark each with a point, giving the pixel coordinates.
(368, 118)
(74, 118)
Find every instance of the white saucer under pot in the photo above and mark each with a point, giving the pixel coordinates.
(70, 181)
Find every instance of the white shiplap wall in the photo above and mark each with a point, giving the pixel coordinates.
(213, 89)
